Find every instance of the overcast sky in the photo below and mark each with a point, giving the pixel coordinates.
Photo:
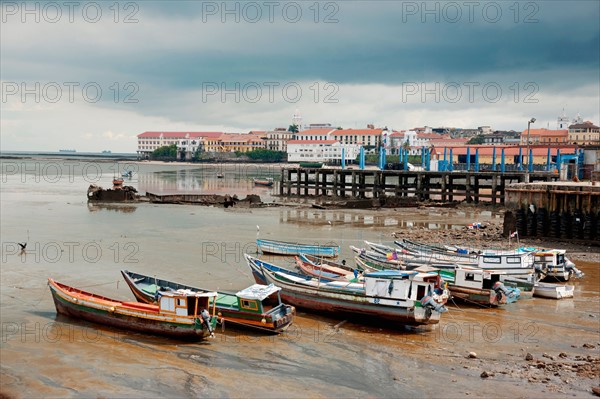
(91, 76)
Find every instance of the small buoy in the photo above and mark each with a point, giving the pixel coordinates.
(264, 321)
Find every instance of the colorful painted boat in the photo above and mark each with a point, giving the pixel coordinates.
(177, 315)
(289, 248)
(407, 298)
(249, 307)
(263, 182)
(326, 272)
(376, 260)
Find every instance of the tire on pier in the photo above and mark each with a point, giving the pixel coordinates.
(554, 224)
(521, 222)
(566, 228)
(542, 222)
(588, 227)
(578, 222)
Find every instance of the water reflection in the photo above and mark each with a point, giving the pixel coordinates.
(361, 219)
(95, 207)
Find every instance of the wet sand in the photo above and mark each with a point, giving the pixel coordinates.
(45, 355)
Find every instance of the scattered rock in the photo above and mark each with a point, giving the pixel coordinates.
(528, 356)
(596, 391)
(485, 374)
(472, 355)
(589, 346)
(548, 356)
(562, 354)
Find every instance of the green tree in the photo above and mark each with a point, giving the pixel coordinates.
(476, 140)
(293, 128)
(406, 146)
(261, 154)
(165, 153)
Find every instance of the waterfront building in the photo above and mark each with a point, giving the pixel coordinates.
(584, 133)
(545, 136)
(276, 140)
(325, 151)
(371, 139)
(150, 141)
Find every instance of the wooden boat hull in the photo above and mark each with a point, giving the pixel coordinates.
(344, 304)
(277, 320)
(264, 183)
(473, 296)
(131, 319)
(286, 248)
(324, 272)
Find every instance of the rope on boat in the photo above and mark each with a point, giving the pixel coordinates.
(99, 284)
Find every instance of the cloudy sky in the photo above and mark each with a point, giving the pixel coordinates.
(91, 76)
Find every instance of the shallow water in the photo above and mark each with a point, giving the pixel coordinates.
(86, 245)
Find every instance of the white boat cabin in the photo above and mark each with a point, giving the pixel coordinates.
(251, 299)
(394, 284)
(470, 277)
(185, 302)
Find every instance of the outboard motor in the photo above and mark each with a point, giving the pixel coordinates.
(206, 319)
(501, 289)
(570, 266)
(428, 302)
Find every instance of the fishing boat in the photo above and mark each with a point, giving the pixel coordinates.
(290, 248)
(328, 264)
(408, 298)
(513, 262)
(128, 174)
(249, 307)
(118, 182)
(556, 265)
(326, 272)
(477, 286)
(548, 263)
(220, 175)
(263, 182)
(176, 314)
(376, 260)
(553, 291)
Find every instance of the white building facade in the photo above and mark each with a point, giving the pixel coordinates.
(326, 151)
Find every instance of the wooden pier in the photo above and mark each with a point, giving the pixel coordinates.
(474, 187)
